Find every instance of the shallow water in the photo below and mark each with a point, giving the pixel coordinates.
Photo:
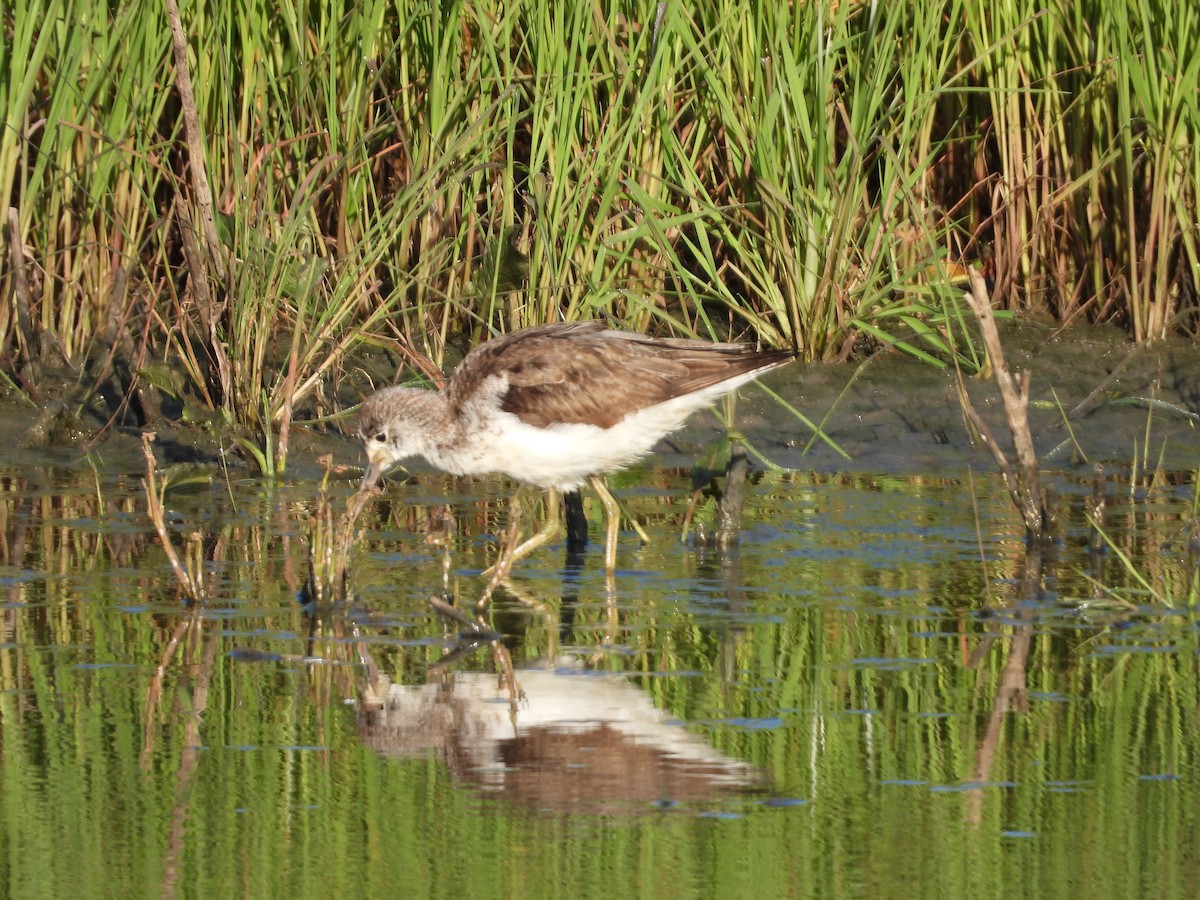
(877, 694)
(834, 708)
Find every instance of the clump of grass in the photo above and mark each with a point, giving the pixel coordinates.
(331, 540)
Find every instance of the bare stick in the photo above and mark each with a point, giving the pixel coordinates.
(155, 510)
(16, 249)
(1014, 392)
(345, 538)
(210, 312)
(1007, 472)
(191, 127)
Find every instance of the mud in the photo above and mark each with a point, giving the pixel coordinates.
(1095, 398)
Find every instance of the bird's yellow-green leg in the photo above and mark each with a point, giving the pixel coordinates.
(511, 553)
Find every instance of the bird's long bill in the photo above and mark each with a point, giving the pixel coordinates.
(376, 466)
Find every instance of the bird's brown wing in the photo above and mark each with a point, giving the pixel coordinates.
(584, 373)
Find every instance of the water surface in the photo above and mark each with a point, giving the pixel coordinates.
(876, 694)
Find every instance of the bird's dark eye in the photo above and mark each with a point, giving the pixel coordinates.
(381, 437)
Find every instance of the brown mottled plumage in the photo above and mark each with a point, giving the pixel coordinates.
(554, 404)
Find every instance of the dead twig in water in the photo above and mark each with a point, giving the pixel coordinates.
(1022, 481)
(193, 587)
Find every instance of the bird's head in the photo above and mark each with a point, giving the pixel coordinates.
(386, 432)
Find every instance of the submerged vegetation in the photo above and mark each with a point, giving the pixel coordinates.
(810, 175)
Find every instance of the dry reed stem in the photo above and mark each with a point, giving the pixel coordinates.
(191, 126)
(345, 538)
(16, 250)
(210, 308)
(154, 509)
(1023, 482)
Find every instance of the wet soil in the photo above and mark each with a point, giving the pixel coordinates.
(1095, 398)
(895, 414)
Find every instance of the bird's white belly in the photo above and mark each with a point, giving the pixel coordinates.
(564, 455)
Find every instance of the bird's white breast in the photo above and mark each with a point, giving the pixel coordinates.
(564, 455)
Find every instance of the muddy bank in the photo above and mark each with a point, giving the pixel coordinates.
(889, 414)
(894, 414)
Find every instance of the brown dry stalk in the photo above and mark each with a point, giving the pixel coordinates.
(345, 536)
(16, 250)
(210, 309)
(1022, 482)
(202, 291)
(155, 510)
(191, 127)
